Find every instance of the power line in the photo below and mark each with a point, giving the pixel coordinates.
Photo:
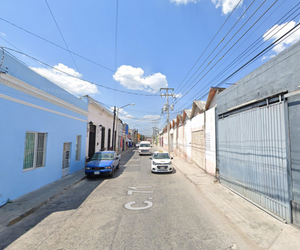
(116, 34)
(225, 46)
(65, 42)
(228, 49)
(267, 49)
(216, 48)
(80, 56)
(61, 35)
(208, 45)
(97, 84)
(116, 40)
(251, 47)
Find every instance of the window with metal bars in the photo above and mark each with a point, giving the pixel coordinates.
(78, 147)
(35, 150)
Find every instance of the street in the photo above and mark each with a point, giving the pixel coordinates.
(134, 210)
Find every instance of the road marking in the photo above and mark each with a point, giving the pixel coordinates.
(130, 192)
(129, 207)
(149, 204)
(135, 188)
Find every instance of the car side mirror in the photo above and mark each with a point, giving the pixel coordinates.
(171, 158)
(150, 158)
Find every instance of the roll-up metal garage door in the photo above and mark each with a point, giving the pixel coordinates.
(253, 155)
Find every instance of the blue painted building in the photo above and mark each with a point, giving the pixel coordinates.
(42, 130)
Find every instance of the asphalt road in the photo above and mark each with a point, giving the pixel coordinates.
(134, 210)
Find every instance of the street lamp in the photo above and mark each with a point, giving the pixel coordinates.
(114, 138)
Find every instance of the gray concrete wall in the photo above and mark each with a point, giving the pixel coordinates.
(278, 74)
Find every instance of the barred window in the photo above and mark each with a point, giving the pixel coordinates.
(35, 150)
(78, 147)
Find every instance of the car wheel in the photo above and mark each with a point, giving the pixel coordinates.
(111, 175)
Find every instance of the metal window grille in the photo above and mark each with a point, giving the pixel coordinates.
(35, 148)
(29, 151)
(78, 147)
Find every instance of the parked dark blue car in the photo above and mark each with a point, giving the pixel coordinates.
(103, 163)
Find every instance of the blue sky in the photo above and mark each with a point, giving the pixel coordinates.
(127, 50)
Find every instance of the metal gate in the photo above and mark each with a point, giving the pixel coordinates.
(92, 141)
(253, 157)
(108, 140)
(66, 159)
(102, 139)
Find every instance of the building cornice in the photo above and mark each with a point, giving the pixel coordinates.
(99, 106)
(26, 88)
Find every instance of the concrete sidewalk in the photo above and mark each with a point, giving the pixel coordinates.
(260, 227)
(23, 206)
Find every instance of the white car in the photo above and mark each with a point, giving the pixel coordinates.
(161, 162)
(145, 148)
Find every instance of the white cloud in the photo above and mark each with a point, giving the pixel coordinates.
(133, 78)
(75, 86)
(129, 117)
(152, 117)
(279, 30)
(183, 1)
(178, 95)
(264, 58)
(227, 5)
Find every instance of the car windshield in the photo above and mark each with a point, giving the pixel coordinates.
(145, 146)
(160, 156)
(103, 156)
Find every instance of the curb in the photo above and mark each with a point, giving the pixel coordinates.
(30, 211)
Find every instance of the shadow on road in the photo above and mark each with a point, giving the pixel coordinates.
(68, 199)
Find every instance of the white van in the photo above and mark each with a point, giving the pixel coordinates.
(145, 148)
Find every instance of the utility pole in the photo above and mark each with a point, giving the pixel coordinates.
(113, 132)
(155, 132)
(168, 129)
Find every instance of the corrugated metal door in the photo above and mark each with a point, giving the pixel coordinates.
(253, 157)
(294, 122)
